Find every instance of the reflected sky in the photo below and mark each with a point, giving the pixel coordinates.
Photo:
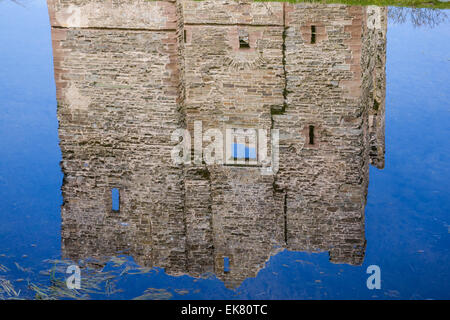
(407, 224)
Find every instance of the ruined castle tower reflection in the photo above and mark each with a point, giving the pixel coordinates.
(128, 73)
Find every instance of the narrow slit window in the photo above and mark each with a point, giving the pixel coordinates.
(226, 264)
(243, 40)
(311, 134)
(115, 199)
(246, 151)
(313, 34)
(243, 44)
(184, 36)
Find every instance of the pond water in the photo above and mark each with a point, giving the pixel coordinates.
(405, 229)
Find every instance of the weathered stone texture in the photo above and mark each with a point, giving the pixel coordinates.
(110, 14)
(128, 73)
(229, 12)
(375, 59)
(116, 88)
(325, 182)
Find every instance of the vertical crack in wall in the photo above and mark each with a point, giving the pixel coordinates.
(285, 219)
(284, 60)
(282, 193)
(276, 110)
(182, 114)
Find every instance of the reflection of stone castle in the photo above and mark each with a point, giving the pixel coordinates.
(128, 73)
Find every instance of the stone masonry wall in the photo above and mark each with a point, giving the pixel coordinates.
(325, 181)
(116, 88)
(130, 72)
